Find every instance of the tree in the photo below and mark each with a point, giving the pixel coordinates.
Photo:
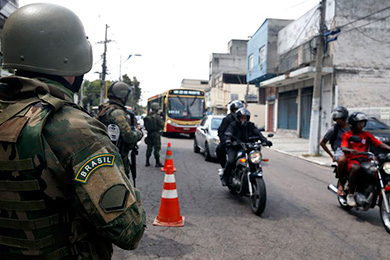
(91, 93)
(135, 96)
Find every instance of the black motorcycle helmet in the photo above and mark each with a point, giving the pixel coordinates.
(356, 117)
(244, 112)
(235, 104)
(340, 112)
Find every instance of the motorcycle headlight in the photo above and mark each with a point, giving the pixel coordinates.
(255, 157)
(386, 167)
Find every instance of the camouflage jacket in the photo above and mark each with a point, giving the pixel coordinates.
(115, 113)
(153, 124)
(81, 201)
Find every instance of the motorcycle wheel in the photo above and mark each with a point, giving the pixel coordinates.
(259, 196)
(384, 216)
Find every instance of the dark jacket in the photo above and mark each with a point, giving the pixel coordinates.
(224, 125)
(243, 132)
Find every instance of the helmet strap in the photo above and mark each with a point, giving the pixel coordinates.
(75, 87)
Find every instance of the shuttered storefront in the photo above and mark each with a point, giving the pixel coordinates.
(306, 99)
(287, 110)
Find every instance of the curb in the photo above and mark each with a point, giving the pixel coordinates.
(302, 157)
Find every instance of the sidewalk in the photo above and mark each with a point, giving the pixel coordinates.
(297, 147)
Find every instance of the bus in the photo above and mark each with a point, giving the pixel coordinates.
(182, 110)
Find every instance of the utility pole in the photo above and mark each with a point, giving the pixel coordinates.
(104, 69)
(315, 122)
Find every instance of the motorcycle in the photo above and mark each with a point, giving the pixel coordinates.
(372, 187)
(246, 178)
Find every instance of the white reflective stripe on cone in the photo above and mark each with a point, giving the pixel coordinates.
(169, 178)
(169, 194)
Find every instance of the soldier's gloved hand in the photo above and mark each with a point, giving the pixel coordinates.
(269, 143)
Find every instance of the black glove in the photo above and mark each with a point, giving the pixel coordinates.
(228, 143)
(269, 143)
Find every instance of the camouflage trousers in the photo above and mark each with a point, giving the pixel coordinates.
(155, 146)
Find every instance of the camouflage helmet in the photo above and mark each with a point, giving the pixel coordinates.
(119, 90)
(155, 106)
(46, 38)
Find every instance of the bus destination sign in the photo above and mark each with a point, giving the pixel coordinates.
(186, 92)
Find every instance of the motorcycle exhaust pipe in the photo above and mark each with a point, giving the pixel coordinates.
(333, 188)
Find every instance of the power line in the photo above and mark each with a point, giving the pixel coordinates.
(304, 28)
(363, 25)
(361, 18)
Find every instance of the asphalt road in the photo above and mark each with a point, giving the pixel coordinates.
(302, 220)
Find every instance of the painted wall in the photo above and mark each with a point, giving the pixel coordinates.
(361, 56)
(263, 48)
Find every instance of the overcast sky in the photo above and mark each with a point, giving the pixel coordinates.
(174, 37)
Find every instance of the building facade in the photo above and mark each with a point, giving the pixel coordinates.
(354, 68)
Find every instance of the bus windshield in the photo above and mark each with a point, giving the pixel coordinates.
(185, 107)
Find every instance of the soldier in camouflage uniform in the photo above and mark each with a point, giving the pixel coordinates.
(153, 124)
(115, 116)
(63, 189)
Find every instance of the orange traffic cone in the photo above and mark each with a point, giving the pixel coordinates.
(169, 213)
(168, 159)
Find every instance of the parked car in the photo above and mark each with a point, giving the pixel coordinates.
(380, 130)
(140, 121)
(206, 137)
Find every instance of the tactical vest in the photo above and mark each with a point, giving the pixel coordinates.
(32, 224)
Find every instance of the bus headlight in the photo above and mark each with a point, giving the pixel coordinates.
(171, 123)
(386, 167)
(255, 157)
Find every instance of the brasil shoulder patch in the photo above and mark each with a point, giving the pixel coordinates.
(92, 164)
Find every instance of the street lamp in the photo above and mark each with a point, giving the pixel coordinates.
(120, 64)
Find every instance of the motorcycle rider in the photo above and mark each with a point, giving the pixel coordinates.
(221, 148)
(115, 113)
(357, 122)
(240, 131)
(333, 135)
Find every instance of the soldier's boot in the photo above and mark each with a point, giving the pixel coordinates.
(147, 162)
(158, 164)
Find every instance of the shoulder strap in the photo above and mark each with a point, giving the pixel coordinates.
(15, 108)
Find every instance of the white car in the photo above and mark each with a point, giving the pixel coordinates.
(206, 136)
(140, 121)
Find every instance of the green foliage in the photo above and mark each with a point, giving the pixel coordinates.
(135, 96)
(91, 93)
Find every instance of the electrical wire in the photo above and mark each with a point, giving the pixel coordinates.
(361, 18)
(363, 25)
(304, 28)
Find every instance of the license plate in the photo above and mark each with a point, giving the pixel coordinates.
(186, 129)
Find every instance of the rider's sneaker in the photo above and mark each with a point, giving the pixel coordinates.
(220, 172)
(351, 200)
